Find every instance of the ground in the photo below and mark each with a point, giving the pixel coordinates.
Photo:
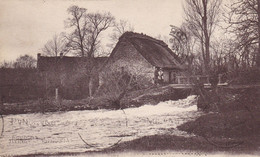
(231, 127)
(210, 135)
(234, 127)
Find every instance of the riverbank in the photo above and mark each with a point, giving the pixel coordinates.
(166, 145)
(179, 143)
(208, 136)
(152, 95)
(233, 128)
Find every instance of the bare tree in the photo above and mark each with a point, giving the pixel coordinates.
(202, 17)
(87, 28)
(179, 40)
(183, 43)
(244, 22)
(85, 38)
(25, 61)
(78, 23)
(115, 86)
(55, 46)
(119, 28)
(221, 54)
(97, 23)
(258, 18)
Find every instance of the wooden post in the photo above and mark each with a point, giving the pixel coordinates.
(219, 78)
(56, 94)
(188, 80)
(207, 79)
(91, 86)
(170, 78)
(166, 76)
(178, 80)
(46, 85)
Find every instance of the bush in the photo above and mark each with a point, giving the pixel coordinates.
(245, 76)
(115, 86)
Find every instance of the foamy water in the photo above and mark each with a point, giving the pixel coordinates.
(80, 131)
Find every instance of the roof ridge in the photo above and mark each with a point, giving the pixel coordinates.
(142, 36)
(74, 57)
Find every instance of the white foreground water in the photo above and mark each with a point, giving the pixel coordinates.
(80, 131)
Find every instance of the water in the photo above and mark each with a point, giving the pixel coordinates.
(80, 131)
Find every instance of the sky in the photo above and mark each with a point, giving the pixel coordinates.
(26, 25)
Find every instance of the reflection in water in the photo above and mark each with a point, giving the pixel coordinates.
(59, 132)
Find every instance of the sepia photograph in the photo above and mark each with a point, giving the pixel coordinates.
(160, 78)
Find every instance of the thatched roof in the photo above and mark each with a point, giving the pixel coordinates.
(156, 52)
(45, 63)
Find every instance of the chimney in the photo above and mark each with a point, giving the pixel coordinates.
(61, 55)
(38, 55)
(38, 58)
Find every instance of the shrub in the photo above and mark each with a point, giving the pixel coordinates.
(245, 76)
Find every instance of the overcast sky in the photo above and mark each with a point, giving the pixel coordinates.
(26, 25)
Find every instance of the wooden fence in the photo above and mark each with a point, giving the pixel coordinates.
(205, 79)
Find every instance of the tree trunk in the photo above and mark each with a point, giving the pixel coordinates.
(258, 54)
(80, 37)
(91, 72)
(91, 86)
(206, 35)
(203, 56)
(207, 58)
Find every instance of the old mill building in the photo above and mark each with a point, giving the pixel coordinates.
(144, 56)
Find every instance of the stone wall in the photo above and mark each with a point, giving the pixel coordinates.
(132, 61)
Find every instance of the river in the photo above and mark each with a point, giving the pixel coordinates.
(80, 131)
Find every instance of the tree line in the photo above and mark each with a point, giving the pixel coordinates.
(218, 36)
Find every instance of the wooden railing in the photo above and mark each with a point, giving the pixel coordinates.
(202, 78)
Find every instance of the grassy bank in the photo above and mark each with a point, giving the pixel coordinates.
(153, 96)
(178, 143)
